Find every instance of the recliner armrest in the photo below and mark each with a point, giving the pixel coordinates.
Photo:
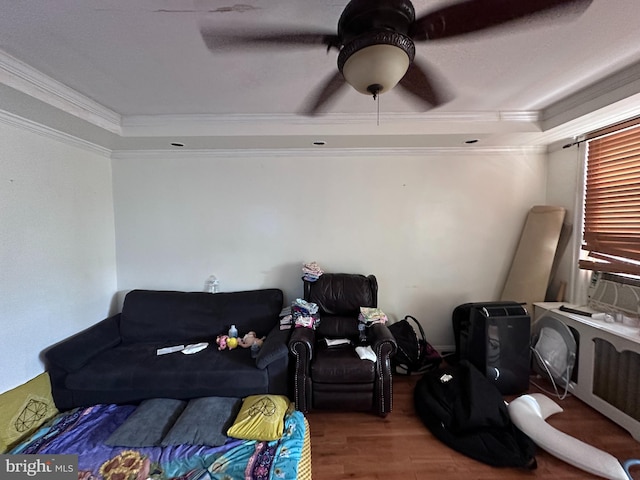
(384, 345)
(301, 343)
(74, 352)
(382, 340)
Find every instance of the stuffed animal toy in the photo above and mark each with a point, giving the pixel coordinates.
(226, 342)
(221, 341)
(250, 339)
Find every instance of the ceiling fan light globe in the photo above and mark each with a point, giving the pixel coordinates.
(382, 65)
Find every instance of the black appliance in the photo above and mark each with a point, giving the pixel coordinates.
(495, 338)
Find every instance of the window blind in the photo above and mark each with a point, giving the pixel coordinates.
(611, 233)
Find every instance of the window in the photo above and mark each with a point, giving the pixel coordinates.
(611, 233)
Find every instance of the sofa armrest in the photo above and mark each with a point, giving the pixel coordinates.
(74, 352)
(301, 346)
(273, 348)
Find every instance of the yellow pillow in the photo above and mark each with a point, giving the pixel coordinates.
(24, 409)
(260, 418)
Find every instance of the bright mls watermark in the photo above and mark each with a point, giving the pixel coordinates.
(39, 467)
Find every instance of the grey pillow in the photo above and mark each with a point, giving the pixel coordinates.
(204, 422)
(148, 423)
(274, 347)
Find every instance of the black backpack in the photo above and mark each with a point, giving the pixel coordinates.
(414, 355)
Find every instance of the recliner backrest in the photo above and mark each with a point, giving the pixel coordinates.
(342, 293)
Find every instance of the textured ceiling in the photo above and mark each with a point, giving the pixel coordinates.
(146, 57)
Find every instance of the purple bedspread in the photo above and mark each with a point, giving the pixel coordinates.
(83, 432)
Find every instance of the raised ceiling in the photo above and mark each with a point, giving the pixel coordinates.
(129, 74)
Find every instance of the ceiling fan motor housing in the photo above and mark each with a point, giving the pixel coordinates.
(365, 16)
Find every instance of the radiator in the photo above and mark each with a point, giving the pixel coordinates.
(616, 378)
(608, 366)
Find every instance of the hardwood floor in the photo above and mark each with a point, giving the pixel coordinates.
(363, 446)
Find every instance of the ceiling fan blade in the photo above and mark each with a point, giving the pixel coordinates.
(424, 86)
(474, 15)
(327, 92)
(217, 39)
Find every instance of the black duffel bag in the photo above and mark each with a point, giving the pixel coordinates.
(466, 411)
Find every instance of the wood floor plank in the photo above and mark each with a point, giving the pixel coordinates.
(363, 446)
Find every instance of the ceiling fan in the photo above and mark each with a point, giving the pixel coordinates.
(376, 41)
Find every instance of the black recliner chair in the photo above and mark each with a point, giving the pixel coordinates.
(336, 377)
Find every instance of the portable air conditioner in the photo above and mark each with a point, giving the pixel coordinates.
(495, 338)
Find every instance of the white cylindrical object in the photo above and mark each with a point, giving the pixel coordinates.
(212, 285)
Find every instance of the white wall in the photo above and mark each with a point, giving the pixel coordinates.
(57, 246)
(436, 230)
(564, 188)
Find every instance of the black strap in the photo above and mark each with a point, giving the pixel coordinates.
(422, 335)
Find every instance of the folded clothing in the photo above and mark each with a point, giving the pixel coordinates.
(370, 315)
(311, 271)
(302, 306)
(305, 314)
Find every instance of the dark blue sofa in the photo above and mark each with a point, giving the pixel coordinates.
(115, 360)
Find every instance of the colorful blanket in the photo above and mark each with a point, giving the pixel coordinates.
(83, 432)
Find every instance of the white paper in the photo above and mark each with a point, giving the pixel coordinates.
(332, 342)
(366, 353)
(164, 351)
(194, 348)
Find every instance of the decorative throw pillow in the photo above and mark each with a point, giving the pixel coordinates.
(204, 422)
(148, 423)
(275, 347)
(260, 418)
(270, 352)
(24, 409)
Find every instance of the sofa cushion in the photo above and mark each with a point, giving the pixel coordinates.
(186, 317)
(341, 365)
(137, 368)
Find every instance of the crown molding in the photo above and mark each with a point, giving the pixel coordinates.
(331, 123)
(325, 152)
(45, 131)
(133, 121)
(609, 115)
(612, 90)
(26, 79)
